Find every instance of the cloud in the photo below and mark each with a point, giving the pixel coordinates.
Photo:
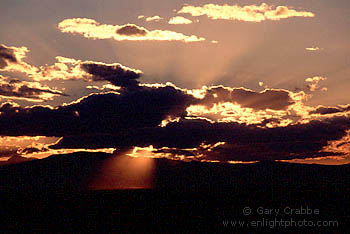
(73, 69)
(271, 107)
(250, 13)
(238, 142)
(11, 59)
(8, 55)
(134, 118)
(214, 123)
(154, 18)
(24, 147)
(179, 20)
(64, 69)
(30, 91)
(89, 28)
(131, 30)
(313, 83)
(116, 74)
(329, 110)
(96, 113)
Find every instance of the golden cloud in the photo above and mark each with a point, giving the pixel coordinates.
(11, 59)
(250, 13)
(179, 20)
(154, 18)
(313, 83)
(89, 28)
(68, 68)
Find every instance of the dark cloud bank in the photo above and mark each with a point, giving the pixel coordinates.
(115, 74)
(133, 116)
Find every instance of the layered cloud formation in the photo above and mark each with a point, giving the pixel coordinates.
(250, 13)
(89, 28)
(215, 123)
(71, 69)
(31, 91)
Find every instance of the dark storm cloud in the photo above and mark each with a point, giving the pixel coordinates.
(133, 116)
(7, 55)
(116, 74)
(171, 119)
(324, 110)
(243, 143)
(97, 113)
(275, 99)
(131, 30)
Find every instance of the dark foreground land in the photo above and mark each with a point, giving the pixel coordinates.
(54, 195)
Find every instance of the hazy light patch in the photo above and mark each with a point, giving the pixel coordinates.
(312, 48)
(89, 28)
(125, 172)
(250, 13)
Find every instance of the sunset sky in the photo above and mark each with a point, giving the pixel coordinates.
(217, 81)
